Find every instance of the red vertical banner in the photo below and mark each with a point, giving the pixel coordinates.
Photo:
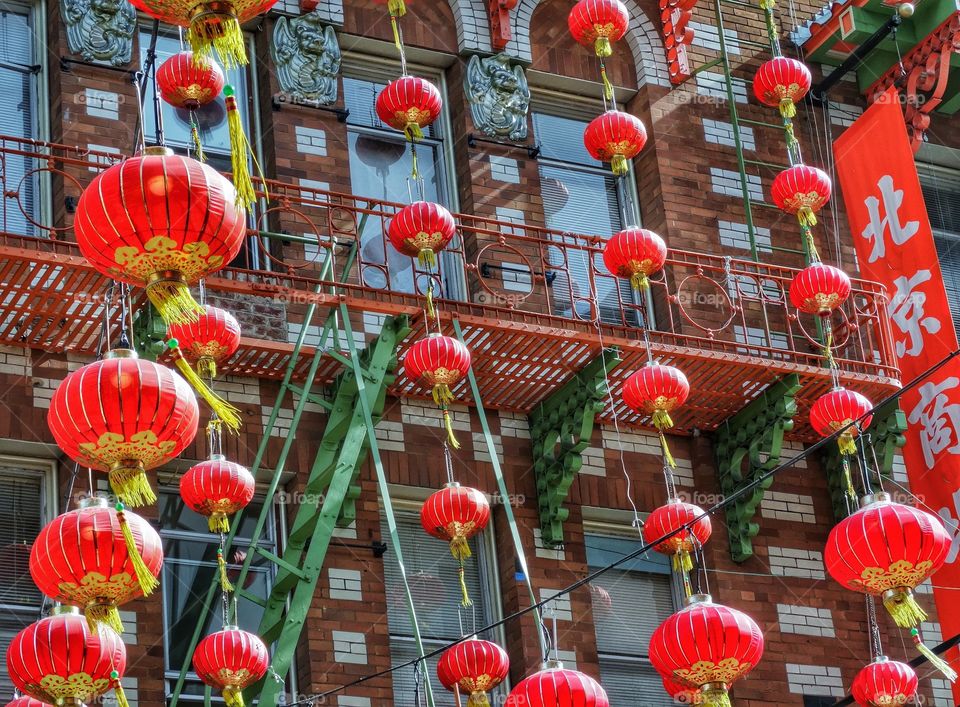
(895, 247)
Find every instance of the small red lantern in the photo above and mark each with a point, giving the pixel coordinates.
(160, 221)
(802, 191)
(555, 686)
(60, 661)
(682, 694)
(210, 340)
(819, 289)
(439, 361)
(230, 660)
(781, 83)
(668, 518)
(706, 646)
(217, 488)
(656, 390)
(635, 253)
(421, 230)
(885, 682)
(615, 137)
(476, 667)
(97, 559)
(598, 23)
(409, 104)
(838, 409)
(455, 513)
(123, 416)
(189, 82)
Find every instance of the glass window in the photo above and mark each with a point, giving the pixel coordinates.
(628, 604)
(189, 566)
(432, 576)
(580, 196)
(941, 193)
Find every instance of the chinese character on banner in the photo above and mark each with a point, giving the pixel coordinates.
(894, 243)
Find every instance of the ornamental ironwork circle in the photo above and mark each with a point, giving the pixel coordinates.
(846, 329)
(723, 299)
(300, 216)
(19, 190)
(503, 298)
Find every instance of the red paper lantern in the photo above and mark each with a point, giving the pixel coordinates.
(160, 221)
(706, 646)
(123, 415)
(555, 686)
(476, 667)
(837, 409)
(189, 82)
(60, 661)
(97, 559)
(597, 23)
(439, 361)
(802, 191)
(27, 702)
(885, 682)
(656, 390)
(230, 660)
(819, 289)
(668, 518)
(409, 104)
(781, 83)
(210, 340)
(682, 694)
(635, 253)
(421, 230)
(615, 137)
(217, 488)
(455, 513)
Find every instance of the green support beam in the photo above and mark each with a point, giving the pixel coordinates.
(560, 429)
(149, 332)
(746, 446)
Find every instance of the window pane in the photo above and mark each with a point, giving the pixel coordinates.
(21, 516)
(16, 115)
(624, 680)
(562, 139)
(941, 193)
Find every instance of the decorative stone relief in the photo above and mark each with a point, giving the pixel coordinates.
(307, 56)
(100, 30)
(499, 96)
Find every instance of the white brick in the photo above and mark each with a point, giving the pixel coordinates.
(311, 141)
(100, 160)
(788, 506)
(814, 680)
(713, 85)
(347, 701)
(504, 169)
(806, 620)
(350, 647)
(345, 584)
(593, 462)
(720, 132)
(313, 185)
(102, 104)
(481, 453)
(547, 553)
(708, 37)
(419, 412)
(514, 425)
(390, 435)
(844, 114)
(510, 216)
(793, 562)
(129, 619)
(568, 658)
(737, 235)
(942, 694)
(348, 533)
(560, 606)
(727, 181)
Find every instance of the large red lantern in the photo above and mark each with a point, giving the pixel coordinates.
(555, 686)
(669, 518)
(656, 390)
(819, 289)
(635, 254)
(886, 549)
(802, 191)
(230, 660)
(186, 81)
(476, 667)
(409, 104)
(123, 415)
(440, 362)
(217, 489)
(837, 410)
(60, 661)
(781, 83)
(597, 23)
(160, 221)
(706, 646)
(421, 230)
(682, 694)
(97, 559)
(210, 340)
(615, 137)
(884, 683)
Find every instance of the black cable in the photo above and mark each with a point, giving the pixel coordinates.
(649, 546)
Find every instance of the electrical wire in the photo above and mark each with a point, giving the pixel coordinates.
(646, 547)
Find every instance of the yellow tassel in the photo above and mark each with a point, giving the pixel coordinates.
(478, 698)
(197, 145)
(460, 548)
(791, 136)
(767, 4)
(806, 217)
(131, 485)
(145, 577)
(225, 584)
(442, 395)
(173, 301)
(935, 661)
(427, 258)
(716, 698)
(99, 615)
(788, 109)
(118, 690)
(414, 165)
(904, 609)
(601, 45)
(465, 599)
(607, 86)
(228, 414)
(640, 282)
(233, 697)
(847, 444)
(413, 131)
(396, 8)
(218, 523)
(239, 149)
(851, 492)
(448, 425)
(431, 311)
(619, 165)
(207, 368)
(220, 33)
(662, 420)
(396, 34)
(682, 562)
(667, 456)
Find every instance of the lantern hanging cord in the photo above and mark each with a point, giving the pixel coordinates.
(646, 547)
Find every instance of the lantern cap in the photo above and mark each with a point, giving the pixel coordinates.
(218, 457)
(452, 485)
(157, 151)
(880, 659)
(121, 353)
(695, 599)
(95, 501)
(878, 497)
(551, 664)
(64, 610)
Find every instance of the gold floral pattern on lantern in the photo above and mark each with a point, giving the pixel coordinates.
(53, 688)
(704, 671)
(159, 254)
(810, 200)
(96, 588)
(444, 376)
(900, 574)
(423, 240)
(457, 529)
(112, 448)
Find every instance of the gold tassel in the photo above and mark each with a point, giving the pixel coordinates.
(413, 132)
(207, 368)
(448, 426)
(233, 696)
(442, 395)
(221, 34)
(465, 599)
(99, 615)
(172, 298)
(460, 548)
(935, 661)
(682, 562)
(904, 609)
(228, 414)
(851, 492)
(767, 4)
(414, 168)
(806, 217)
(131, 485)
(145, 577)
(396, 8)
(716, 698)
(662, 420)
(667, 456)
(788, 109)
(847, 444)
(239, 148)
(118, 690)
(811, 244)
(197, 145)
(478, 698)
(396, 33)
(619, 165)
(791, 136)
(427, 258)
(601, 45)
(607, 86)
(225, 584)
(218, 523)
(640, 282)
(431, 311)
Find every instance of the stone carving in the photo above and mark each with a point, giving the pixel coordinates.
(100, 30)
(307, 57)
(499, 96)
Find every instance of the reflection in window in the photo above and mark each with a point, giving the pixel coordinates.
(17, 117)
(941, 193)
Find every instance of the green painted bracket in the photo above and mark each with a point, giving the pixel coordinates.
(748, 445)
(886, 437)
(560, 429)
(149, 332)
